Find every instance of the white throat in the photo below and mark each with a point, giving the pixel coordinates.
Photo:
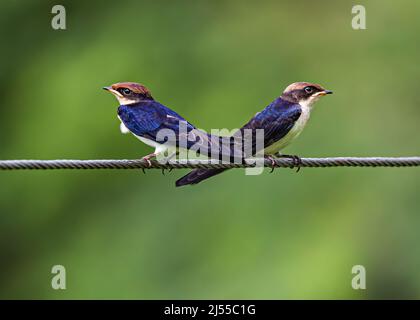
(125, 101)
(309, 103)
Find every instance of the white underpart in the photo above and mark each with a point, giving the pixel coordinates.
(159, 148)
(306, 106)
(162, 152)
(124, 129)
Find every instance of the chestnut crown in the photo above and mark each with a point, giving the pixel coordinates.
(304, 92)
(129, 92)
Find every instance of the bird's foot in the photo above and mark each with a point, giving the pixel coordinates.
(273, 163)
(297, 161)
(147, 159)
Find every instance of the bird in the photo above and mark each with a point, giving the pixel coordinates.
(152, 123)
(283, 121)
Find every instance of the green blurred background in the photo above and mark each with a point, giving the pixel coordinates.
(122, 234)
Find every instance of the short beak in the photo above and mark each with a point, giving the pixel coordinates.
(115, 92)
(325, 92)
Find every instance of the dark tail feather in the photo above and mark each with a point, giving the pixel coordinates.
(197, 176)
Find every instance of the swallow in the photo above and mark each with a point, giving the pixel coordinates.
(140, 114)
(282, 121)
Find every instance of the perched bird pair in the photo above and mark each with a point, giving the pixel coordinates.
(282, 121)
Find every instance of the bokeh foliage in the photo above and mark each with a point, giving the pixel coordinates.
(122, 234)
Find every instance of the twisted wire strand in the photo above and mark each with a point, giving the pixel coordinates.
(208, 164)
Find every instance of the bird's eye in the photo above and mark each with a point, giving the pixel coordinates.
(126, 91)
(308, 89)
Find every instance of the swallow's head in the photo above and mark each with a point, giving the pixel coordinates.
(304, 93)
(129, 92)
